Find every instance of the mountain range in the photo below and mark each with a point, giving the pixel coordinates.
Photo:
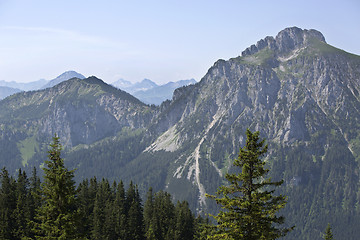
(300, 93)
(9, 88)
(149, 92)
(24, 86)
(7, 91)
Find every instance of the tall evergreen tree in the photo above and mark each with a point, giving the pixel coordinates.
(184, 226)
(148, 213)
(120, 212)
(22, 213)
(57, 215)
(7, 205)
(35, 192)
(135, 220)
(249, 204)
(328, 233)
(85, 207)
(104, 218)
(163, 218)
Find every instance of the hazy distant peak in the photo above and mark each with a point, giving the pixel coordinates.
(70, 74)
(24, 86)
(121, 83)
(148, 83)
(63, 77)
(7, 91)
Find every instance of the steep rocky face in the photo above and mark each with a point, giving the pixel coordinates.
(286, 41)
(299, 92)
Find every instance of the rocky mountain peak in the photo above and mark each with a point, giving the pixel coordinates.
(286, 40)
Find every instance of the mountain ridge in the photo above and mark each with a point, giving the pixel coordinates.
(149, 92)
(301, 94)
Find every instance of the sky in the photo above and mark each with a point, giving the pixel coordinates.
(159, 40)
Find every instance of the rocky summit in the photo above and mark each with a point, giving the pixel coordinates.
(301, 93)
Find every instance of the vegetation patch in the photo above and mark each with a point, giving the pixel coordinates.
(27, 148)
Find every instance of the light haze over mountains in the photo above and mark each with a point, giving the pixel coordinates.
(301, 93)
(146, 91)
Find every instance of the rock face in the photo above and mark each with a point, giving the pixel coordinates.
(299, 92)
(287, 40)
(78, 111)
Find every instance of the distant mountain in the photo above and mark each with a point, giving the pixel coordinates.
(127, 86)
(159, 94)
(63, 77)
(7, 91)
(149, 92)
(42, 83)
(301, 93)
(122, 84)
(24, 86)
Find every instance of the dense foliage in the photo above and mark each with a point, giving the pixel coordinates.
(249, 205)
(328, 233)
(55, 209)
(56, 217)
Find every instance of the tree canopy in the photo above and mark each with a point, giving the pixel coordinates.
(249, 206)
(57, 216)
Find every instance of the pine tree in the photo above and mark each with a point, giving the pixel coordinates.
(102, 201)
(22, 213)
(57, 216)
(163, 218)
(35, 192)
(148, 214)
(328, 233)
(109, 213)
(120, 212)
(184, 227)
(202, 228)
(249, 205)
(7, 205)
(135, 220)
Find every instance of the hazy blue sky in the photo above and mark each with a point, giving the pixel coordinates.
(160, 40)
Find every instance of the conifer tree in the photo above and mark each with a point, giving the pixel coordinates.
(248, 202)
(35, 192)
(22, 213)
(7, 205)
(120, 212)
(135, 220)
(148, 213)
(328, 233)
(102, 201)
(57, 215)
(184, 226)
